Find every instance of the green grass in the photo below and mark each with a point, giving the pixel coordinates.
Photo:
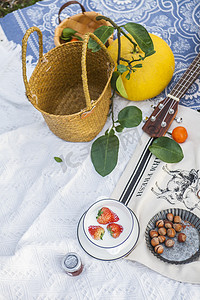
(8, 6)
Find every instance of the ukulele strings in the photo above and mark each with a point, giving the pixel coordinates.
(172, 105)
(193, 69)
(187, 77)
(165, 102)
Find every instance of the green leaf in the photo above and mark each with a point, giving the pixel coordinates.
(166, 150)
(111, 132)
(115, 75)
(58, 159)
(128, 76)
(103, 33)
(119, 128)
(122, 68)
(130, 116)
(120, 87)
(149, 53)
(101, 236)
(138, 66)
(107, 132)
(67, 39)
(141, 36)
(104, 154)
(78, 37)
(68, 32)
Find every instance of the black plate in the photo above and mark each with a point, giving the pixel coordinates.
(181, 253)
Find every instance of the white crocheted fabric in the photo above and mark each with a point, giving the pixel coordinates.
(42, 201)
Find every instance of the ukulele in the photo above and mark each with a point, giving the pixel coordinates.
(166, 110)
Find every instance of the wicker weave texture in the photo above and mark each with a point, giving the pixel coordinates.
(71, 87)
(83, 23)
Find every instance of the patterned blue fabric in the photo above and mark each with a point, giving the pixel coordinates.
(176, 21)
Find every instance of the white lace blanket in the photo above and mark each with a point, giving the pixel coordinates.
(41, 202)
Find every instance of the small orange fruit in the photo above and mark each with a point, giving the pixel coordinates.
(179, 134)
(74, 40)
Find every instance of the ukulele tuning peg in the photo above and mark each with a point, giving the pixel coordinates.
(163, 124)
(145, 119)
(178, 119)
(153, 106)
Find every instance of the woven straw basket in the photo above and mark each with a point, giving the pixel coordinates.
(70, 86)
(83, 23)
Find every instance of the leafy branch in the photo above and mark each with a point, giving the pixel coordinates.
(141, 40)
(104, 152)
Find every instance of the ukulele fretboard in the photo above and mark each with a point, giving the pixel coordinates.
(187, 79)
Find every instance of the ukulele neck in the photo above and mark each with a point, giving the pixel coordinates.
(187, 79)
(163, 115)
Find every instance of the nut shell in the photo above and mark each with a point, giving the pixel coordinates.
(170, 217)
(161, 238)
(182, 237)
(162, 231)
(177, 219)
(169, 243)
(154, 241)
(168, 224)
(159, 249)
(153, 233)
(171, 232)
(160, 223)
(177, 227)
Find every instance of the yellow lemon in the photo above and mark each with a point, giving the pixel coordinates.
(155, 74)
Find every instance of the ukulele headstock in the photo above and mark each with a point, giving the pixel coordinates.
(161, 118)
(165, 112)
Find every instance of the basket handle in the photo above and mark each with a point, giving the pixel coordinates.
(24, 48)
(67, 4)
(83, 65)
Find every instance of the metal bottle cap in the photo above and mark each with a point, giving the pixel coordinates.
(71, 262)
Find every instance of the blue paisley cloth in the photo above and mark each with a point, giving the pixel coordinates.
(175, 21)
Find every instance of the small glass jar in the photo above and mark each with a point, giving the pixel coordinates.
(72, 264)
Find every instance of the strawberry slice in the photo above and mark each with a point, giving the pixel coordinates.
(105, 216)
(96, 232)
(114, 229)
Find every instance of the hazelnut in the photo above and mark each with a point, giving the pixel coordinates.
(159, 249)
(171, 232)
(162, 231)
(177, 219)
(181, 237)
(161, 238)
(160, 223)
(168, 224)
(177, 227)
(170, 217)
(154, 241)
(153, 233)
(169, 243)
